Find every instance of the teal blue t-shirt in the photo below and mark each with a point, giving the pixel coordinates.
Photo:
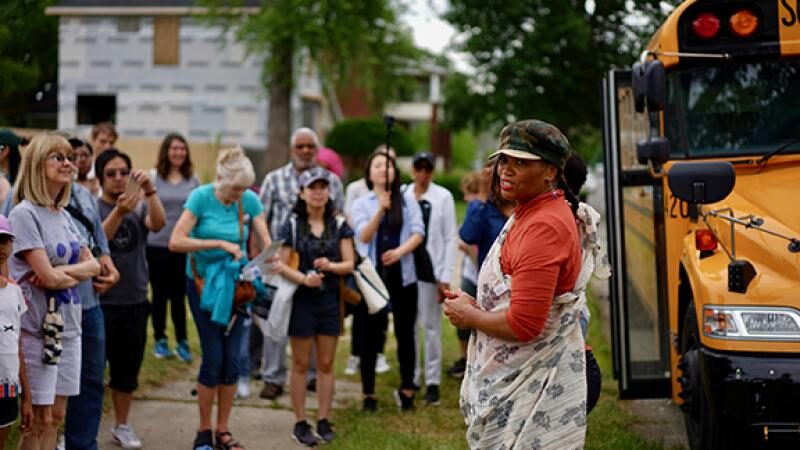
(217, 221)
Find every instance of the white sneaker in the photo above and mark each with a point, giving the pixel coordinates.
(381, 366)
(353, 362)
(124, 436)
(243, 388)
(60, 445)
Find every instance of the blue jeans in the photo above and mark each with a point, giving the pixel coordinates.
(84, 410)
(220, 351)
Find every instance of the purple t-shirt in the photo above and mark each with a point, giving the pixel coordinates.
(38, 227)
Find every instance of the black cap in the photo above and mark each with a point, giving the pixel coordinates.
(424, 157)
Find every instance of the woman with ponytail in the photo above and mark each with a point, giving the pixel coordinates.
(214, 228)
(525, 380)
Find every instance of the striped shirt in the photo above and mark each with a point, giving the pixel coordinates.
(279, 193)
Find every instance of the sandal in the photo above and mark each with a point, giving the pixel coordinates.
(203, 441)
(229, 444)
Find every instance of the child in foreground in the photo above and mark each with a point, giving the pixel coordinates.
(13, 380)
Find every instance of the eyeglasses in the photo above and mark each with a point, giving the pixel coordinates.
(112, 173)
(301, 146)
(5, 239)
(61, 158)
(82, 156)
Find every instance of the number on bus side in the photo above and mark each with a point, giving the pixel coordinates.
(678, 208)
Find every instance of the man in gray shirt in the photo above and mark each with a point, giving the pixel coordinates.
(126, 220)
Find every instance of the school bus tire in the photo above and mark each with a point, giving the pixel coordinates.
(704, 429)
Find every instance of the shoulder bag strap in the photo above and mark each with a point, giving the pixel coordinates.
(241, 223)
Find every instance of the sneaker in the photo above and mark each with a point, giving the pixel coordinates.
(243, 388)
(271, 391)
(404, 403)
(458, 369)
(432, 395)
(125, 437)
(325, 430)
(353, 363)
(204, 440)
(184, 354)
(303, 434)
(381, 366)
(370, 404)
(161, 349)
(60, 444)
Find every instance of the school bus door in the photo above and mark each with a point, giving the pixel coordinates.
(635, 220)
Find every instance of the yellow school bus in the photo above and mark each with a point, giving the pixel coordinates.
(702, 171)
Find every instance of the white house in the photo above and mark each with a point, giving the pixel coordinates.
(153, 67)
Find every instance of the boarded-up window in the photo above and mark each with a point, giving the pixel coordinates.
(166, 40)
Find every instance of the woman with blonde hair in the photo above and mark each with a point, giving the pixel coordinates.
(213, 229)
(50, 260)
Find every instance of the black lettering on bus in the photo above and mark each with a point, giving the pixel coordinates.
(678, 208)
(792, 13)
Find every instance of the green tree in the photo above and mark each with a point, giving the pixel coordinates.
(353, 42)
(28, 56)
(542, 58)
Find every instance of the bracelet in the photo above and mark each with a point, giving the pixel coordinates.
(153, 192)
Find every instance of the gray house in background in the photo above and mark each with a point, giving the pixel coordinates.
(152, 67)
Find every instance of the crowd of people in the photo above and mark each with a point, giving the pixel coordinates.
(87, 234)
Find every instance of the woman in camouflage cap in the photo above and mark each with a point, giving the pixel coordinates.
(525, 381)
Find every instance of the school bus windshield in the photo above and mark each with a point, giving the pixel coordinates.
(733, 109)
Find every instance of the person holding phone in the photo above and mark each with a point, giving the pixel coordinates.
(127, 219)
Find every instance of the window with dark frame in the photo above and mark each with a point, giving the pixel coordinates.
(96, 108)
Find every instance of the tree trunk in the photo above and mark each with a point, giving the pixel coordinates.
(279, 119)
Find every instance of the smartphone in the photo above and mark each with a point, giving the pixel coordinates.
(133, 187)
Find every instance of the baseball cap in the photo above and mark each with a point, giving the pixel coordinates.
(534, 140)
(8, 137)
(308, 177)
(5, 227)
(424, 157)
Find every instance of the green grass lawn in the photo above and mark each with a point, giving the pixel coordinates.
(441, 427)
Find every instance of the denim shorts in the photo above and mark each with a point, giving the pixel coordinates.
(314, 314)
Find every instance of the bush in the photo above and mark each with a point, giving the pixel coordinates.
(357, 138)
(451, 181)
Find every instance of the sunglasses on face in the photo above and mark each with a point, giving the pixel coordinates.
(5, 239)
(61, 158)
(302, 146)
(112, 173)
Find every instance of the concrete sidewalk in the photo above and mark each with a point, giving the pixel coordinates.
(166, 418)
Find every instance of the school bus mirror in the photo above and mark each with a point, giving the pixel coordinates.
(655, 150)
(701, 182)
(649, 86)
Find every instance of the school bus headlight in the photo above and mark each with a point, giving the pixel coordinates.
(751, 323)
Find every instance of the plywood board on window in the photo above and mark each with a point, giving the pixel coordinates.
(166, 40)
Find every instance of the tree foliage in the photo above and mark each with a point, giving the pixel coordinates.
(542, 58)
(359, 137)
(351, 41)
(28, 55)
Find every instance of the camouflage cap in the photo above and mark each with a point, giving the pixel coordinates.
(534, 140)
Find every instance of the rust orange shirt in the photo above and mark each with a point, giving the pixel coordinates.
(543, 257)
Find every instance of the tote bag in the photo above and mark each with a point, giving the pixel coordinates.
(276, 327)
(373, 291)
